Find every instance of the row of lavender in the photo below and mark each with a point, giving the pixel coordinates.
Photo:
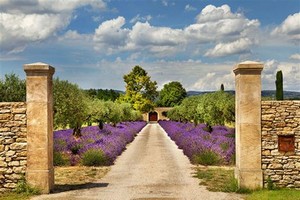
(214, 147)
(95, 146)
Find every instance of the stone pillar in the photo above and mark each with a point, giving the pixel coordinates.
(248, 124)
(40, 171)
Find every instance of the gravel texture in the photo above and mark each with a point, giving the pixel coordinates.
(152, 168)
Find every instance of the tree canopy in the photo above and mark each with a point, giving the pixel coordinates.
(140, 90)
(171, 95)
(215, 108)
(12, 89)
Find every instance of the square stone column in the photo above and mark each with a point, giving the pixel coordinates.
(248, 124)
(39, 97)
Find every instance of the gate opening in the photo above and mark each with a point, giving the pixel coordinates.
(153, 116)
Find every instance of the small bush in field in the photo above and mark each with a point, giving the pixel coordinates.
(207, 158)
(94, 157)
(60, 159)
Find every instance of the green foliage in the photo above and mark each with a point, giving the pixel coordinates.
(207, 158)
(218, 180)
(270, 184)
(215, 108)
(222, 87)
(279, 85)
(12, 89)
(140, 90)
(59, 159)
(69, 105)
(171, 95)
(94, 157)
(106, 95)
(23, 187)
(282, 194)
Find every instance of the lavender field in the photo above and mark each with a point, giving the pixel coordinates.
(95, 146)
(202, 147)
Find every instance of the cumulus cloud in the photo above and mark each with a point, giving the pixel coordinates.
(290, 71)
(111, 32)
(24, 22)
(212, 81)
(237, 47)
(110, 35)
(295, 56)
(230, 33)
(220, 24)
(289, 28)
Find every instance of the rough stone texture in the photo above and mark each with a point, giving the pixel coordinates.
(280, 118)
(248, 124)
(13, 144)
(40, 171)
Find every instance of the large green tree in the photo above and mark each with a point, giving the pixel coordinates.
(12, 89)
(70, 107)
(171, 95)
(140, 90)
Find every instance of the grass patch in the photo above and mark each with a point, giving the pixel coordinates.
(217, 179)
(280, 194)
(221, 179)
(207, 158)
(14, 196)
(75, 175)
(23, 191)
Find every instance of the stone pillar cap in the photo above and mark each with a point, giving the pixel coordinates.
(39, 67)
(249, 65)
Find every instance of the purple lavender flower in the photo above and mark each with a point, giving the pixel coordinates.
(195, 140)
(111, 140)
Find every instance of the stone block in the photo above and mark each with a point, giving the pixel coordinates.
(19, 110)
(10, 153)
(18, 146)
(5, 117)
(3, 163)
(10, 185)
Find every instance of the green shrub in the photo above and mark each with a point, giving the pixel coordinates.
(94, 157)
(270, 184)
(60, 159)
(23, 187)
(207, 158)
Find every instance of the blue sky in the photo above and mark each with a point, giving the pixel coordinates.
(95, 42)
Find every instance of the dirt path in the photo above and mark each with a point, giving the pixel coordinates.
(151, 168)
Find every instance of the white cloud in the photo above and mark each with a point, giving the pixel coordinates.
(230, 33)
(221, 25)
(290, 71)
(295, 56)
(24, 22)
(140, 18)
(289, 28)
(188, 8)
(16, 31)
(237, 47)
(110, 35)
(212, 81)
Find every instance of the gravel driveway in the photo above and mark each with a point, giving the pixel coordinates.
(152, 168)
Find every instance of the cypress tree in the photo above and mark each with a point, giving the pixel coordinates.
(279, 85)
(222, 87)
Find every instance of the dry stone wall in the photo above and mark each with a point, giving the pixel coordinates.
(281, 143)
(13, 144)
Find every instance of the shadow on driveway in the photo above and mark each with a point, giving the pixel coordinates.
(69, 187)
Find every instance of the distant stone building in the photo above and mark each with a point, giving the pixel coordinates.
(159, 113)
